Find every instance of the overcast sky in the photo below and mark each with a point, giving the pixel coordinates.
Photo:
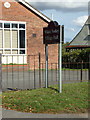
(70, 13)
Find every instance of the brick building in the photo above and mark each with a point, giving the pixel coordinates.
(21, 32)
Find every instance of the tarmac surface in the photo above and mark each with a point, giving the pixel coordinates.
(31, 79)
(15, 114)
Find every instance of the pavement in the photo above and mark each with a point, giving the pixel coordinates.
(15, 114)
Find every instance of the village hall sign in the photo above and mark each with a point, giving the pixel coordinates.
(53, 34)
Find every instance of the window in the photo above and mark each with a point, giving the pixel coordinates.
(1, 39)
(89, 29)
(22, 51)
(22, 38)
(12, 37)
(14, 25)
(0, 25)
(22, 26)
(6, 25)
(34, 35)
(7, 39)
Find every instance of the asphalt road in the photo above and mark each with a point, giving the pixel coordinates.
(30, 79)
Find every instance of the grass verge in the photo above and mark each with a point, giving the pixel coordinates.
(73, 99)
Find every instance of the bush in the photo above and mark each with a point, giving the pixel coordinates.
(75, 56)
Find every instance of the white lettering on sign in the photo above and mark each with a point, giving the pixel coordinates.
(54, 37)
(53, 31)
(47, 32)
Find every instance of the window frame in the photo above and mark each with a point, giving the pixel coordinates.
(88, 29)
(11, 29)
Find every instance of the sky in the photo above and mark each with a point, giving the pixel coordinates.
(70, 13)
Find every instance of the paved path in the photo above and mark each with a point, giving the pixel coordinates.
(30, 79)
(15, 114)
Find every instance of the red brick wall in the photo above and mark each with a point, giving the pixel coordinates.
(34, 24)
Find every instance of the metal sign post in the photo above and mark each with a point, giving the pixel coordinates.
(60, 61)
(46, 57)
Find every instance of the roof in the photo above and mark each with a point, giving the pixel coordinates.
(35, 10)
(77, 46)
(82, 39)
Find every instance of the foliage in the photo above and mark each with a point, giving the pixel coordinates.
(84, 55)
(75, 55)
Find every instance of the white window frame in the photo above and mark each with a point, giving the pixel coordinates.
(88, 29)
(18, 29)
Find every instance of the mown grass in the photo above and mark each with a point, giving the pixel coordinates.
(73, 99)
(74, 69)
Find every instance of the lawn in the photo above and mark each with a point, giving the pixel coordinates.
(73, 99)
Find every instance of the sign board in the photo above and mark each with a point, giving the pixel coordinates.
(51, 34)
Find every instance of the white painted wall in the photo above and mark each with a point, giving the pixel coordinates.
(21, 59)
